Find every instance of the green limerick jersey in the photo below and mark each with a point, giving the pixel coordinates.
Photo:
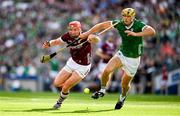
(131, 46)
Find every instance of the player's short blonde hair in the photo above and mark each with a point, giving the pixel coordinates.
(128, 12)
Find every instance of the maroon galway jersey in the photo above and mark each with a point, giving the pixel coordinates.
(108, 48)
(80, 54)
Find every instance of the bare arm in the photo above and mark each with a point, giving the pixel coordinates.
(57, 41)
(97, 28)
(147, 31)
(53, 42)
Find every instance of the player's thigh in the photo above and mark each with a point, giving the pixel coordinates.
(61, 77)
(72, 81)
(114, 63)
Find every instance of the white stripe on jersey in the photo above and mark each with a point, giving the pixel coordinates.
(60, 39)
(144, 27)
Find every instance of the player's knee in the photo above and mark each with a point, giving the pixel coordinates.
(65, 87)
(55, 83)
(107, 71)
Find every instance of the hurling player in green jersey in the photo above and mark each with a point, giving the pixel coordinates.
(127, 58)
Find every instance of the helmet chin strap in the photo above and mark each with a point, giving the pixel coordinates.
(133, 18)
(132, 21)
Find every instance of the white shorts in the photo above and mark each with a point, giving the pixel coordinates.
(163, 83)
(71, 66)
(130, 65)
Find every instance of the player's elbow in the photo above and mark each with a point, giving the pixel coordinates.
(151, 31)
(57, 84)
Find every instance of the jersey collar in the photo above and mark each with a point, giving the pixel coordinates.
(128, 27)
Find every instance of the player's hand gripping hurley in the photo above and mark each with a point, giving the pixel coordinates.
(47, 58)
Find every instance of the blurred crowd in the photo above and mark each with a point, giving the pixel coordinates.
(26, 24)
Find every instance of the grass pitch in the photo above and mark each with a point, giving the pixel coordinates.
(80, 104)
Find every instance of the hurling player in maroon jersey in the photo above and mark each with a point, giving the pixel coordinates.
(78, 65)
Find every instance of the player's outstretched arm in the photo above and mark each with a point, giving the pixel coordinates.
(53, 42)
(97, 28)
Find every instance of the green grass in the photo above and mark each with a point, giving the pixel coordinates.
(79, 104)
